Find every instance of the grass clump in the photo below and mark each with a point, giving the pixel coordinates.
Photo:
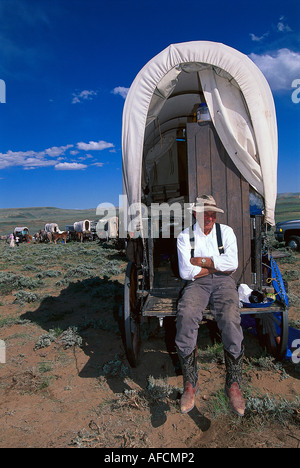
(68, 338)
(46, 340)
(49, 274)
(10, 321)
(218, 404)
(268, 408)
(23, 297)
(260, 410)
(115, 367)
(160, 389)
(80, 271)
(269, 363)
(10, 282)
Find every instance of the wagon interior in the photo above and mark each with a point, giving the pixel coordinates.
(182, 160)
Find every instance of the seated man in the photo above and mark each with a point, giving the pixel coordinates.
(209, 282)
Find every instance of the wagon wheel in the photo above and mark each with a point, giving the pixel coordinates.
(132, 316)
(273, 329)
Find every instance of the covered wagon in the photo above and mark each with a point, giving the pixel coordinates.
(82, 226)
(52, 227)
(82, 230)
(22, 233)
(108, 228)
(199, 118)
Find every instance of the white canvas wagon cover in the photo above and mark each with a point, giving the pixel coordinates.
(82, 226)
(21, 229)
(51, 227)
(239, 100)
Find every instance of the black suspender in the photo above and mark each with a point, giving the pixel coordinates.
(192, 240)
(219, 239)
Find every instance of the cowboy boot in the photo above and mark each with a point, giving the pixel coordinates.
(233, 382)
(190, 381)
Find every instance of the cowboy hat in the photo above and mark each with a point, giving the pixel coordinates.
(205, 203)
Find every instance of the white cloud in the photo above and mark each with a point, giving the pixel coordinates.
(258, 38)
(25, 159)
(281, 26)
(57, 150)
(32, 159)
(61, 157)
(85, 95)
(94, 146)
(87, 156)
(70, 166)
(121, 90)
(280, 68)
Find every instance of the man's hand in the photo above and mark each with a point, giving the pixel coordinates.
(203, 272)
(207, 268)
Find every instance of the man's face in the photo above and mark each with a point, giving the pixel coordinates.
(206, 220)
(209, 220)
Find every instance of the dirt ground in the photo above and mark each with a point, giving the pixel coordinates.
(67, 383)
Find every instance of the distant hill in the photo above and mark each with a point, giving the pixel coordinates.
(287, 207)
(36, 218)
(287, 195)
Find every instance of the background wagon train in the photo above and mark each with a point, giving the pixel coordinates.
(200, 118)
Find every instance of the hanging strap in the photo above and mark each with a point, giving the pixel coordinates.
(219, 238)
(192, 240)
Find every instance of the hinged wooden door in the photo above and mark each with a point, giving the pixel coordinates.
(211, 171)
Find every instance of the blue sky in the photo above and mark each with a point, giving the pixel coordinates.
(67, 65)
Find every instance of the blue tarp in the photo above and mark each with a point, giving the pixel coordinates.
(278, 283)
(294, 334)
(248, 322)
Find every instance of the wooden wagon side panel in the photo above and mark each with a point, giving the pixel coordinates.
(211, 171)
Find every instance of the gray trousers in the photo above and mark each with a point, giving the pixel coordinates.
(218, 290)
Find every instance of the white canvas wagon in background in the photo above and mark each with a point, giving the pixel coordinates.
(52, 227)
(82, 226)
(21, 231)
(108, 228)
(168, 156)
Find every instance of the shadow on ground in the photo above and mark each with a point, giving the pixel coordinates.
(92, 307)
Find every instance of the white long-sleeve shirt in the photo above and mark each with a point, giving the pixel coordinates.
(206, 246)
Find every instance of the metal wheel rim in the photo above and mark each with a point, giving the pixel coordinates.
(293, 245)
(131, 317)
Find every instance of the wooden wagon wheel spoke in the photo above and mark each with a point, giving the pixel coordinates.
(276, 320)
(132, 316)
(272, 330)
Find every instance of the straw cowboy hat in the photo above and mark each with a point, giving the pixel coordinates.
(205, 203)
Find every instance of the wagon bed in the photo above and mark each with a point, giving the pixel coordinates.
(271, 323)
